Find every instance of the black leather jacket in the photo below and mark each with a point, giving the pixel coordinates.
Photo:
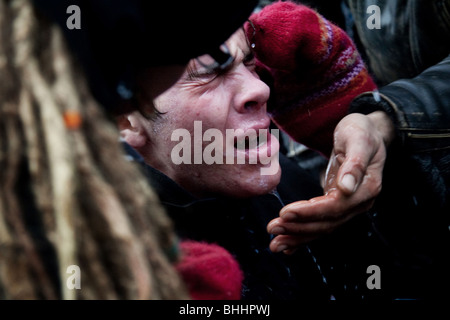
(413, 36)
(409, 57)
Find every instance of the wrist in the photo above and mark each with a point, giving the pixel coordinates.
(372, 101)
(384, 125)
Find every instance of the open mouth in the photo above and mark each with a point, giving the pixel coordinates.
(249, 143)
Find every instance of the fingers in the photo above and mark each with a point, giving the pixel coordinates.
(361, 148)
(299, 223)
(304, 221)
(327, 207)
(310, 224)
(356, 164)
(352, 171)
(307, 221)
(356, 148)
(307, 230)
(352, 182)
(288, 244)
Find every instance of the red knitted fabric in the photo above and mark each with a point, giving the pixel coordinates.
(209, 271)
(315, 70)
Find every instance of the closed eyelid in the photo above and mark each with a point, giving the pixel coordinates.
(195, 70)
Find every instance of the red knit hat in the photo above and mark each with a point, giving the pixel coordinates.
(209, 271)
(315, 69)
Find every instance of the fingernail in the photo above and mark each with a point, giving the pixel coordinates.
(277, 230)
(288, 216)
(281, 247)
(349, 182)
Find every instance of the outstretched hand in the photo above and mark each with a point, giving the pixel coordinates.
(351, 184)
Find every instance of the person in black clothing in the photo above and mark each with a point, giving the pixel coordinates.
(239, 225)
(222, 202)
(228, 204)
(340, 260)
(410, 63)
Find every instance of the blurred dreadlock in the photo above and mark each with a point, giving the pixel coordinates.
(67, 194)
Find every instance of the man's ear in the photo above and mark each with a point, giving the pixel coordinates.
(132, 129)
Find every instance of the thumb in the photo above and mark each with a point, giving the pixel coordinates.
(351, 172)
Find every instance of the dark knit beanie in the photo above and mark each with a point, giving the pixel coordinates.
(209, 271)
(119, 38)
(314, 69)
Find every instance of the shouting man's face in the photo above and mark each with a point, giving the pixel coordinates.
(212, 136)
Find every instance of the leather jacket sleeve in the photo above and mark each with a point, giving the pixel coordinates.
(420, 110)
(412, 36)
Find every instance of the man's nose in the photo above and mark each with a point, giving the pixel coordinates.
(253, 93)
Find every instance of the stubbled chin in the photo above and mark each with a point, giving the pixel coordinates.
(255, 184)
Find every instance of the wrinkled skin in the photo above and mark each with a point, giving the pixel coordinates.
(234, 98)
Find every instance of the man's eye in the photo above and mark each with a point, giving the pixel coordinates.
(203, 74)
